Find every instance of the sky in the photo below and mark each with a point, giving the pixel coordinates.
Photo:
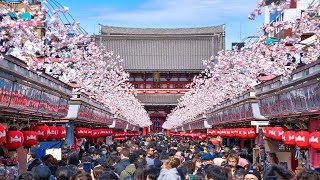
(167, 14)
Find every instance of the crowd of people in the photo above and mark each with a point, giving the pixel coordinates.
(160, 158)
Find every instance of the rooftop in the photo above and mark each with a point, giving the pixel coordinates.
(112, 30)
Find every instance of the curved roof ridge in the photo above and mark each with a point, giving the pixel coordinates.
(114, 30)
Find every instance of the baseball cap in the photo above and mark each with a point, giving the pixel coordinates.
(207, 156)
(254, 172)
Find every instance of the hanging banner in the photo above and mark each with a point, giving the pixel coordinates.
(25, 98)
(5, 91)
(298, 100)
(49, 103)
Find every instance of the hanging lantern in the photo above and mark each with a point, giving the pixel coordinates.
(80, 132)
(61, 132)
(252, 133)
(118, 134)
(89, 131)
(236, 132)
(2, 133)
(42, 132)
(53, 131)
(94, 133)
(266, 131)
(14, 139)
(314, 140)
(211, 132)
(109, 132)
(228, 133)
(289, 138)
(277, 133)
(302, 139)
(30, 138)
(244, 133)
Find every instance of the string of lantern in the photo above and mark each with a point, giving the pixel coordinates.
(233, 72)
(70, 56)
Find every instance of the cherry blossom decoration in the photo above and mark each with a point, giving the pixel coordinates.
(234, 72)
(64, 52)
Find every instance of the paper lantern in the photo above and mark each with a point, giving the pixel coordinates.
(2, 133)
(228, 133)
(53, 131)
(289, 138)
(244, 133)
(302, 139)
(266, 131)
(80, 132)
(252, 133)
(236, 132)
(30, 138)
(42, 132)
(314, 140)
(277, 132)
(109, 132)
(212, 132)
(118, 134)
(14, 139)
(61, 132)
(95, 133)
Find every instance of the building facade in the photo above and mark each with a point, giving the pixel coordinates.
(162, 62)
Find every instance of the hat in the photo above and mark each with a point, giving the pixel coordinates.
(254, 172)
(42, 171)
(207, 156)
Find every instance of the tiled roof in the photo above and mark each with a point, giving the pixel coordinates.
(110, 30)
(159, 99)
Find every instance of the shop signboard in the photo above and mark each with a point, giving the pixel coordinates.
(49, 103)
(5, 91)
(63, 107)
(25, 98)
(297, 100)
(93, 114)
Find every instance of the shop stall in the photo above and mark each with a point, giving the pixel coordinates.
(27, 99)
(293, 105)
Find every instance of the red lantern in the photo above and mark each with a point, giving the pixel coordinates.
(243, 133)
(80, 132)
(89, 131)
(53, 131)
(236, 132)
(314, 140)
(2, 133)
(42, 132)
(30, 138)
(252, 133)
(61, 132)
(94, 133)
(118, 134)
(289, 138)
(211, 132)
(228, 133)
(302, 139)
(14, 140)
(215, 142)
(109, 132)
(266, 131)
(277, 133)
